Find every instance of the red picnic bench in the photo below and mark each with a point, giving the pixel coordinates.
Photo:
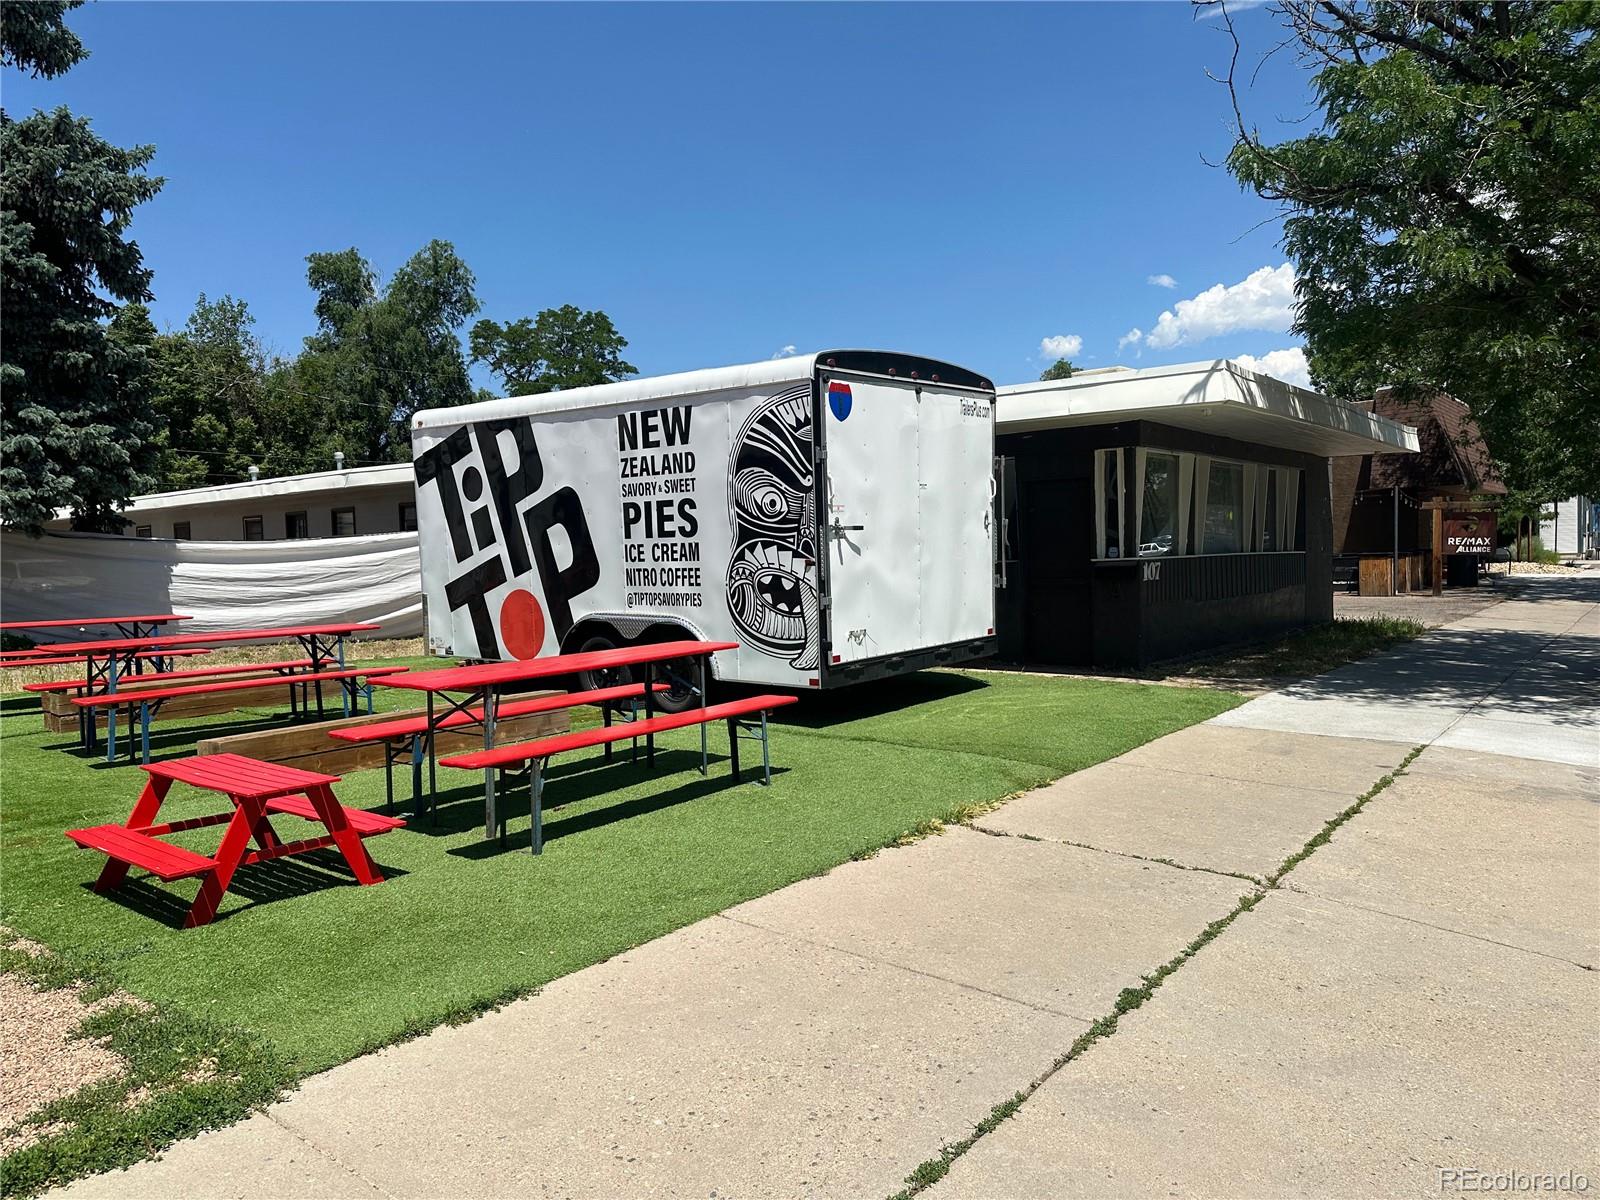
(322, 644)
(81, 685)
(533, 755)
(20, 659)
(258, 790)
(483, 683)
(406, 737)
(150, 702)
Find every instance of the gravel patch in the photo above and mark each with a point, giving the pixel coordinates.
(44, 1062)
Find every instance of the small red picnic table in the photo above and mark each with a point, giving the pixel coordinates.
(480, 687)
(257, 789)
(322, 644)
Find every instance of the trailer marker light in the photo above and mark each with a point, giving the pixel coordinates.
(989, 632)
(813, 683)
(837, 658)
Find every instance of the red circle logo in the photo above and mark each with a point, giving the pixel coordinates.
(522, 624)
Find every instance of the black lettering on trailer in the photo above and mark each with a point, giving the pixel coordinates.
(436, 465)
(468, 591)
(563, 508)
(508, 489)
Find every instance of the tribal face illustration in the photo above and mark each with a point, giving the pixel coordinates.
(772, 590)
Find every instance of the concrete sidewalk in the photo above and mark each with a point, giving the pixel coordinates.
(1419, 1000)
(1521, 678)
(1418, 993)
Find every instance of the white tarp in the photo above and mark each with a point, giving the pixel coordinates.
(222, 585)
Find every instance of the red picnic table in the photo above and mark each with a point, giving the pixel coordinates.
(323, 645)
(127, 627)
(258, 790)
(480, 688)
(140, 626)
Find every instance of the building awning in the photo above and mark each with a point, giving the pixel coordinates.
(1218, 397)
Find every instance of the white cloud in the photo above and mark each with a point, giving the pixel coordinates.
(1166, 281)
(1131, 338)
(1263, 300)
(786, 352)
(1287, 365)
(1062, 345)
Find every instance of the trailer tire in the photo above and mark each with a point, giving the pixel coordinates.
(679, 674)
(590, 681)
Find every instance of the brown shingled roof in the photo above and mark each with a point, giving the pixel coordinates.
(1451, 455)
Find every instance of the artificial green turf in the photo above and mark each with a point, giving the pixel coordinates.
(323, 970)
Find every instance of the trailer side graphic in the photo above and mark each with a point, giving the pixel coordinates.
(830, 514)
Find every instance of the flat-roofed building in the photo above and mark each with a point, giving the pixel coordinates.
(1149, 514)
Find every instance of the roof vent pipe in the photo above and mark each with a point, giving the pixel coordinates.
(338, 460)
(255, 472)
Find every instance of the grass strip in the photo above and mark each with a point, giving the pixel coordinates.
(1311, 651)
(929, 1172)
(183, 1071)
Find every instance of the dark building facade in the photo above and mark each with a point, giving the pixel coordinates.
(1148, 515)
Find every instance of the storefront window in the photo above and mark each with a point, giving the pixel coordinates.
(1158, 514)
(1268, 516)
(1108, 486)
(1193, 504)
(1224, 509)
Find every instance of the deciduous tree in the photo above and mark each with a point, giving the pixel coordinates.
(564, 347)
(1444, 217)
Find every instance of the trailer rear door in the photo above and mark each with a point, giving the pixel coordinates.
(907, 515)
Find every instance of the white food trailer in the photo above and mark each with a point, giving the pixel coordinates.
(831, 513)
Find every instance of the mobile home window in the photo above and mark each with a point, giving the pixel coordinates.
(1224, 514)
(142, 531)
(408, 516)
(344, 522)
(1158, 510)
(1108, 503)
(254, 530)
(180, 531)
(295, 525)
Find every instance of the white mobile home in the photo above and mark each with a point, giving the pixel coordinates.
(829, 512)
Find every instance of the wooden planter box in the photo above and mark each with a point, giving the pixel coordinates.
(61, 715)
(1379, 578)
(311, 749)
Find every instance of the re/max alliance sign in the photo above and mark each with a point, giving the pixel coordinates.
(1469, 533)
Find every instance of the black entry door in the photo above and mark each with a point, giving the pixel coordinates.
(1057, 545)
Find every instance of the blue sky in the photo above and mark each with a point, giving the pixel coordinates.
(725, 180)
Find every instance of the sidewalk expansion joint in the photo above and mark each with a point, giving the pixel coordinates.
(320, 1152)
(885, 962)
(1476, 937)
(928, 1173)
(1185, 771)
(1145, 858)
